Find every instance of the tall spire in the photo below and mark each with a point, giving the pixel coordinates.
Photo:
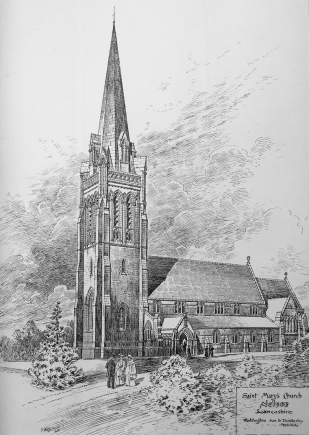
(113, 123)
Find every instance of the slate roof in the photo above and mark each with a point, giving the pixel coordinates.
(169, 324)
(274, 288)
(275, 306)
(181, 279)
(210, 322)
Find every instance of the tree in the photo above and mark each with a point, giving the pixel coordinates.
(54, 367)
(69, 331)
(27, 341)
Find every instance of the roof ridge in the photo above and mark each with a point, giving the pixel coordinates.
(271, 279)
(264, 299)
(198, 261)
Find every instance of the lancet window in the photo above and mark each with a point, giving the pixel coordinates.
(219, 308)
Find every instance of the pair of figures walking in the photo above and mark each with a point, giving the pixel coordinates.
(121, 372)
(209, 350)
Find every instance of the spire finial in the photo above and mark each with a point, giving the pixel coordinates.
(285, 276)
(114, 15)
(248, 259)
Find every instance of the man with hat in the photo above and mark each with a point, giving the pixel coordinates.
(111, 365)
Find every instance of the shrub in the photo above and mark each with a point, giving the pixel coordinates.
(296, 362)
(248, 367)
(54, 366)
(176, 388)
(270, 376)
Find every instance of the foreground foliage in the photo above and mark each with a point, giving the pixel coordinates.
(24, 344)
(210, 396)
(54, 366)
(296, 362)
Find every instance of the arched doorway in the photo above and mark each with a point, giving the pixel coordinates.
(185, 342)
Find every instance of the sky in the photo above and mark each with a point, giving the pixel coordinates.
(217, 98)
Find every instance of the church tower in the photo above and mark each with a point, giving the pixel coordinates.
(111, 294)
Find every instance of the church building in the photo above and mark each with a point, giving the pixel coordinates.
(131, 303)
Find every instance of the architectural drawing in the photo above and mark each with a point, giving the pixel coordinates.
(154, 261)
(129, 302)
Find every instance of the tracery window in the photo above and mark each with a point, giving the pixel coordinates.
(253, 310)
(179, 307)
(148, 330)
(216, 337)
(219, 308)
(236, 309)
(156, 306)
(200, 308)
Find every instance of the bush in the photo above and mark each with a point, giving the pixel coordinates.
(248, 367)
(296, 362)
(270, 376)
(54, 366)
(24, 345)
(177, 389)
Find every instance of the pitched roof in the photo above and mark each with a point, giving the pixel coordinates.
(275, 306)
(170, 323)
(274, 288)
(179, 279)
(210, 322)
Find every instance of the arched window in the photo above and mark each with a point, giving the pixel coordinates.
(116, 218)
(235, 338)
(270, 336)
(216, 337)
(88, 212)
(253, 337)
(129, 219)
(200, 308)
(89, 310)
(148, 330)
(122, 317)
(156, 306)
(295, 324)
(116, 211)
(179, 307)
(91, 267)
(219, 308)
(123, 267)
(253, 310)
(236, 309)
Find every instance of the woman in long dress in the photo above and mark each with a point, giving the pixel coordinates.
(120, 371)
(130, 372)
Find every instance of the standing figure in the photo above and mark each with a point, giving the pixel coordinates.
(189, 352)
(130, 372)
(211, 350)
(120, 371)
(111, 365)
(206, 350)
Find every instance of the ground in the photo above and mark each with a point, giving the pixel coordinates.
(90, 407)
